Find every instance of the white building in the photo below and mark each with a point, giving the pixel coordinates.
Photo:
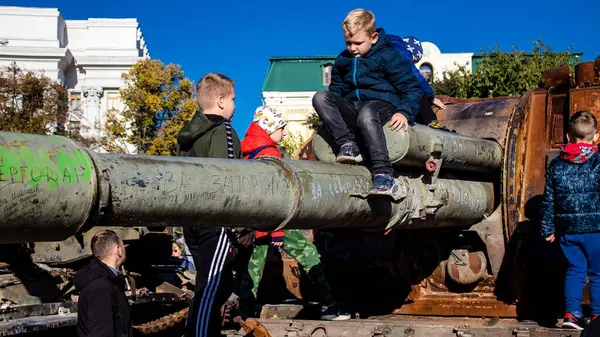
(437, 63)
(86, 56)
(291, 82)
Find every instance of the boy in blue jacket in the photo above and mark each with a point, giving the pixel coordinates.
(370, 85)
(571, 215)
(410, 49)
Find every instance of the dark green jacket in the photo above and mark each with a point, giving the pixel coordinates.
(205, 136)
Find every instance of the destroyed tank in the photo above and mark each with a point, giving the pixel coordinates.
(459, 238)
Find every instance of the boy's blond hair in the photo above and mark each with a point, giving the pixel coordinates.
(582, 126)
(359, 20)
(210, 87)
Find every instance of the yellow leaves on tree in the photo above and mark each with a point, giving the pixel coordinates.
(158, 101)
(31, 103)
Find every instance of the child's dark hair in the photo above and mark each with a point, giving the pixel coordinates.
(582, 126)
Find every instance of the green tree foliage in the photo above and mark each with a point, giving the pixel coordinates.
(292, 142)
(31, 103)
(158, 101)
(313, 121)
(502, 73)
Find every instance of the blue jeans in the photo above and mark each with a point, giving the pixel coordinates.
(342, 118)
(582, 252)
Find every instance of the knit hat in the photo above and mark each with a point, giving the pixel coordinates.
(413, 45)
(269, 119)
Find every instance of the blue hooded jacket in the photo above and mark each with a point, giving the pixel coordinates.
(379, 75)
(572, 192)
(401, 47)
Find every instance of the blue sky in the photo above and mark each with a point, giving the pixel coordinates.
(237, 37)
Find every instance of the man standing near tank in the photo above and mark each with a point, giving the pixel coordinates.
(103, 309)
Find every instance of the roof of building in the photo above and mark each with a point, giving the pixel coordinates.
(299, 73)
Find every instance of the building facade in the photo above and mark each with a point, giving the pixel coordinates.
(87, 57)
(291, 82)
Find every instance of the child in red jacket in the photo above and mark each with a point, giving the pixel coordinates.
(262, 139)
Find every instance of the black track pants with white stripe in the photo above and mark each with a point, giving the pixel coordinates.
(213, 256)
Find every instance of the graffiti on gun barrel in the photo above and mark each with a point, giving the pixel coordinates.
(29, 192)
(253, 185)
(47, 174)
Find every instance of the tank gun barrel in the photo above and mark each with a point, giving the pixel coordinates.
(52, 188)
(415, 146)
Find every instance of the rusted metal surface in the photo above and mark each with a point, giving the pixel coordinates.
(510, 178)
(399, 326)
(253, 327)
(487, 119)
(466, 267)
(162, 323)
(464, 305)
(43, 178)
(558, 78)
(415, 146)
(587, 99)
(305, 151)
(597, 69)
(557, 108)
(585, 74)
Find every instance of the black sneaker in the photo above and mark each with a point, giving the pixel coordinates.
(383, 184)
(349, 154)
(572, 322)
(332, 313)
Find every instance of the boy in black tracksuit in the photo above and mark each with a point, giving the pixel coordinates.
(209, 134)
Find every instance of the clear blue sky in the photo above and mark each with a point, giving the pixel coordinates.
(237, 37)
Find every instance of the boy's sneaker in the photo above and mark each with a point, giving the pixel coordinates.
(383, 184)
(332, 313)
(349, 154)
(573, 322)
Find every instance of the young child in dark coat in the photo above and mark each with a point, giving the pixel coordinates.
(571, 214)
(370, 86)
(411, 49)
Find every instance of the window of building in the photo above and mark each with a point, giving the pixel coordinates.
(427, 71)
(75, 101)
(112, 101)
(74, 127)
(327, 68)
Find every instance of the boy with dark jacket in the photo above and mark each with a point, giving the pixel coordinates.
(209, 134)
(263, 137)
(571, 215)
(370, 85)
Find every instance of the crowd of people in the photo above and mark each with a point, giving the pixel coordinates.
(374, 82)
